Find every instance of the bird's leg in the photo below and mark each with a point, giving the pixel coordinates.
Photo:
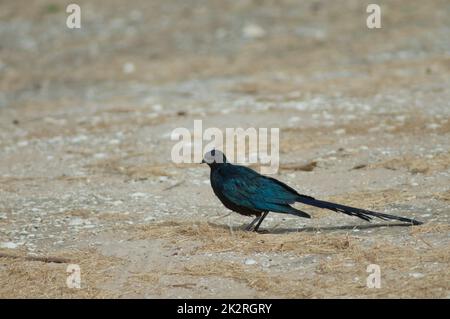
(249, 226)
(260, 221)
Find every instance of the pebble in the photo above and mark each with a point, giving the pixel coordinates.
(79, 138)
(22, 143)
(250, 262)
(128, 68)
(157, 107)
(253, 31)
(114, 142)
(433, 126)
(339, 131)
(9, 245)
(100, 155)
(135, 195)
(76, 222)
(417, 275)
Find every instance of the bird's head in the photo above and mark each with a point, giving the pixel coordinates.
(214, 158)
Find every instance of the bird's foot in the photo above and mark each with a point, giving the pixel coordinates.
(249, 227)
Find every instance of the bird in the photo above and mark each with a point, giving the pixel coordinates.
(249, 193)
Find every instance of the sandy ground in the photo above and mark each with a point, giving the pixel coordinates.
(85, 169)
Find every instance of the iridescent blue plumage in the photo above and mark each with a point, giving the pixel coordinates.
(246, 192)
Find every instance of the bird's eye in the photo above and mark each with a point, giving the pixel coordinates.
(213, 152)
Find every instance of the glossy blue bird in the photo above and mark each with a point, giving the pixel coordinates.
(246, 192)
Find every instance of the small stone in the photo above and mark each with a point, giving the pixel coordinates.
(114, 142)
(433, 126)
(22, 143)
(349, 264)
(157, 107)
(250, 262)
(79, 138)
(138, 195)
(339, 131)
(100, 155)
(9, 245)
(76, 222)
(253, 31)
(417, 275)
(128, 68)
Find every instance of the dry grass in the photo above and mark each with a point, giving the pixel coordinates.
(373, 199)
(431, 228)
(21, 278)
(259, 280)
(331, 277)
(121, 166)
(444, 196)
(217, 238)
(416, 165)
(138, 282)
(308, 167)
(303, 137)
(117, 166)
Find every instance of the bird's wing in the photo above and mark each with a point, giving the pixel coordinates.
(247, 188)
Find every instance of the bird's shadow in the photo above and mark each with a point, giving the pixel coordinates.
(330, 228)
(316, 229)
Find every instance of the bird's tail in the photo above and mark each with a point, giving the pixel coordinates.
(353, 211)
